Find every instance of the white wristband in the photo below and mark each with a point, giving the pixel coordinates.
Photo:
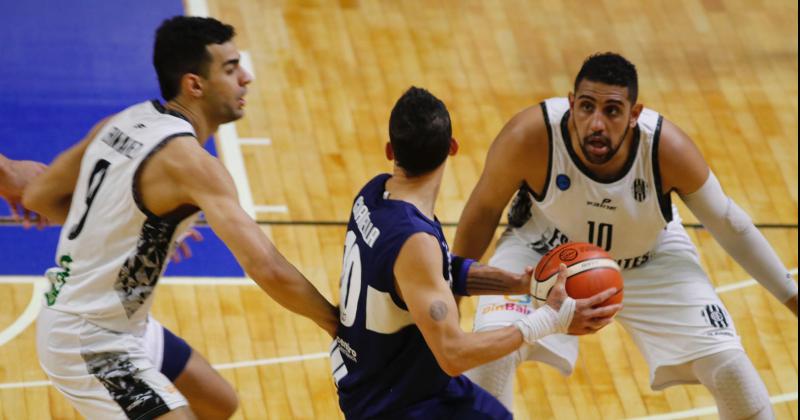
(545, 321)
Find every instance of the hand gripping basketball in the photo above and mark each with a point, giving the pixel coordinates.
(590, 314)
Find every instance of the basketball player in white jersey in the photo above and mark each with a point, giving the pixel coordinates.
(124, 194)
(599, 167)
(14, 176)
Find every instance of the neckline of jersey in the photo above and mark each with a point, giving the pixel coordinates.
(385, 196)
(164, 110)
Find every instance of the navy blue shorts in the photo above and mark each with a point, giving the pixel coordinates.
(460, 399)
(176, 355)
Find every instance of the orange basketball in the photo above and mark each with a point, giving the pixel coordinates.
(590, 270)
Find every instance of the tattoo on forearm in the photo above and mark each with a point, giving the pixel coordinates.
(438, 310)
(490, 281)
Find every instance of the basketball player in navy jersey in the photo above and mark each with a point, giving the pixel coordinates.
(599, 167)
(14, 176)
(399, 350)
(124, 195)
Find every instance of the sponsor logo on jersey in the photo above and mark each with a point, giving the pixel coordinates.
(605, 204)
(714, 315)
(563, 182)
(57, 276)
(346, 350)
(639, 189)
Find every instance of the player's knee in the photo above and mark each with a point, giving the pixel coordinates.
(738, 390)
(497, 377)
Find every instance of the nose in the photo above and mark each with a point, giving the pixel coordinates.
(596, 123)
(246, 77)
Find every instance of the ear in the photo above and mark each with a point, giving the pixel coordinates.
(192, 85)
(571, 97)
(453, 147)
(635, 112)
(389, 151)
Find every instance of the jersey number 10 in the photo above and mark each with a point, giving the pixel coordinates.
(600, 235)
(350, 282)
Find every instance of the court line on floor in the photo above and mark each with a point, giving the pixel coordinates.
(218, 366)
(705, 411)
(28, 315)
(235, 281)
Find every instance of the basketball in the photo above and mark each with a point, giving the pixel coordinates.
(590, 270)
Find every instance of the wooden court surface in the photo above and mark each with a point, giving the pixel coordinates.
(327, 74)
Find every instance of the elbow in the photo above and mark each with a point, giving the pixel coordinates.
(452, 361)
(452, 370)
(30, 199)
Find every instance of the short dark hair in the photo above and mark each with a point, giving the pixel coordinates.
(420, 131)
(611, 69)
(180, 48)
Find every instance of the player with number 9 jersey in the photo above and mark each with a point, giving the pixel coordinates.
(110, 282)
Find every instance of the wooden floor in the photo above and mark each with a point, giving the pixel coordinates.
(327, 74)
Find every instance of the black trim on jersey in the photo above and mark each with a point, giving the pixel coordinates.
(586, 171)
(664, 200)
(540, 197)
(181, 212)
(162, 109)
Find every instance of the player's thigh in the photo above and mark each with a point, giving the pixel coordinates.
(182, 413)
(209, 394)
(104, 374)
(497, 311)
(207, 391)
(674, 315)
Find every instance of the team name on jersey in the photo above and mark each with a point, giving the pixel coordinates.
(369, 232)
(123, 144)
(628, 263)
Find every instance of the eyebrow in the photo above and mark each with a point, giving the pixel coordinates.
(587, 97)
(234, 61)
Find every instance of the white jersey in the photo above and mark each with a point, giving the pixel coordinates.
(112, 250)
(624, 215)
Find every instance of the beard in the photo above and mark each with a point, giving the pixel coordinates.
(593, 141)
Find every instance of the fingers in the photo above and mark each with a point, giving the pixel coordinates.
(195, 234)
(14, 213)
(600, 297)
(27, 216)
(187, 252)
(561, 280)
(604, 311)
(41, 222)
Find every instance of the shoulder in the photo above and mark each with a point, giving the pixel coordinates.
(183, 159)
(525, 130)
(682, 165)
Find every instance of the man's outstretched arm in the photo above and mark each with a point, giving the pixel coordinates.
(209, 186)
(685, 170)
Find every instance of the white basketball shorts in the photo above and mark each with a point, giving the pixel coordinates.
(104, 374)
(670, 310)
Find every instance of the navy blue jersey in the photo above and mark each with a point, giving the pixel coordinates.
(381, 363)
